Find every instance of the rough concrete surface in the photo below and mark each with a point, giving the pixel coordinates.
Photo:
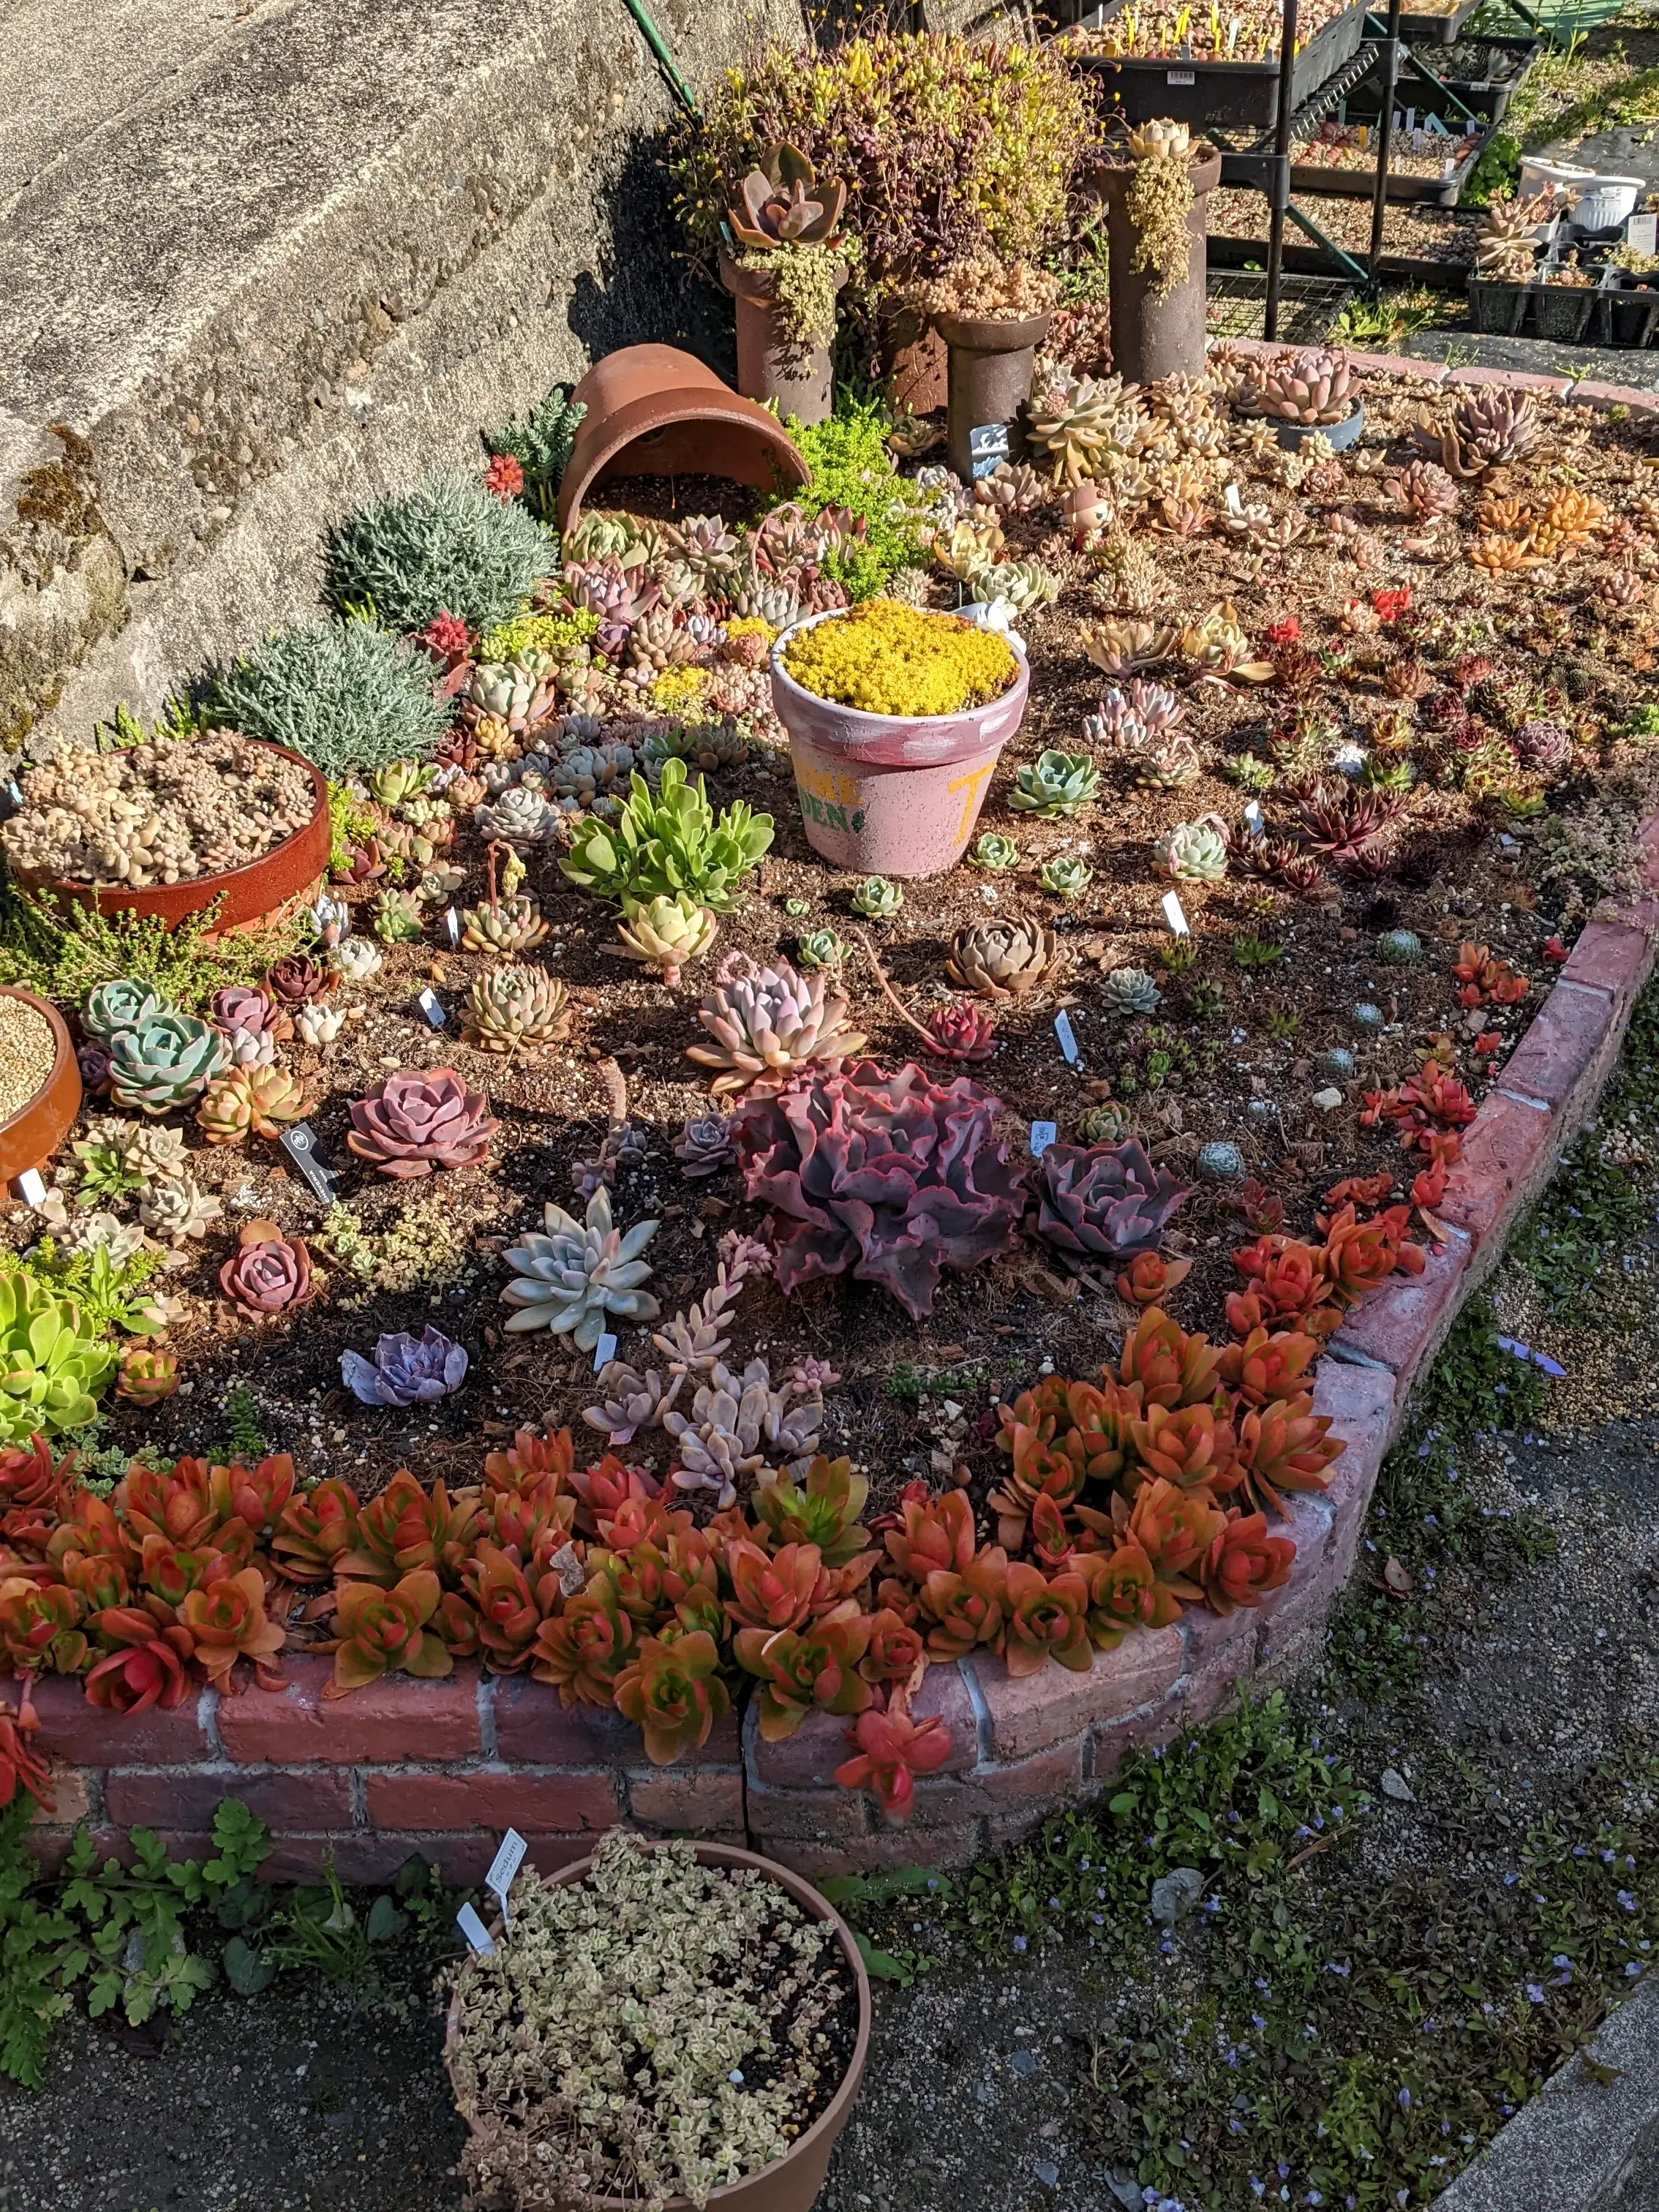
(292, 254)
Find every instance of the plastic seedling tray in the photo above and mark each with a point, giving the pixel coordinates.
(1435, 28)
(1498, 310)
(1239, 95)
(1561, 313)
(1487, 94)
(1627, 309)
(1313, 180)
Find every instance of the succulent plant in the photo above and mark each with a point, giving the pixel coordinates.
(668, 841)
(1108, 1202)
(1170, 768)
(405, 1370)
(177, 1209)
(1489, 426)
(1013, 488)
(820, 948)
(1021, 584)
(1343, 820)
(893, 1176)
(703, 1146)
(146, 1375)
(449, 547)
(1339, 1061)
(1216, 649)
(1066, 876)
(124, 1004)
(876, 898)
(1218, 1162)
(268, 1273)
(1131, 991)
(91, 1058)
(319, 1026)
(397, 919)
(1365, 1016)
(53, 1363)
(994, 852)
(1193, 852)
(516, 1009)
(520, 817)
(420, 1119)
(1003, 959)
(1544, 748)
(573, 1276)
(666, 932)
(1425, 490)
(265, 1100)
(1305, 387)
(783, 204)
(1399, 948)
(961, 1030)
(1072, 419)
(1121, 648)
(1054, 784)
(252, 1023)
(766, 1023)
(1106, 1124)
(356, 960)
(588, 776)
(503, 925)
(168, 1062)
(1125, 721)
(150, 1152)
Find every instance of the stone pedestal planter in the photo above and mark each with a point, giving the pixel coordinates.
(1156, 338)
(887, 796)
(774, 366)
(990, 381)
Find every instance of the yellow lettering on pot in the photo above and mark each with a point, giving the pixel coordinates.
(971, 785)
(823, 783)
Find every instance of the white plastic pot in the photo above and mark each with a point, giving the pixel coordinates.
(1605, 202)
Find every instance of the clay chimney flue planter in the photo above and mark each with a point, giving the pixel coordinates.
(990, 381)
(655, 411)
(774, 367)
(1154, 338)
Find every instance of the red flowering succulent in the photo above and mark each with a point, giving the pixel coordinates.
(504, 476)
(1244, 1562)
(1149, 1279)
(22, 1766)
(1265, 1369)
(1124, 1593)
(1047, 1617)
(1484, 977)
(961, 1030)
(1358, 1256)
(1287, 1283)
(966, 1610)
(672, 1693)
(812, 1669)
(892, 1749)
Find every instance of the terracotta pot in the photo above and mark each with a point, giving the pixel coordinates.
(792, 2183)
(1153, 338)
(772, 366)
(35, 1131)
(990, 382)
(885, 795)
(655, 411)
(250, 893)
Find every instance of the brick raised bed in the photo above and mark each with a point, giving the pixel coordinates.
(443, 1767)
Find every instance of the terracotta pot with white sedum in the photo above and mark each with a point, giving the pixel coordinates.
(892, 795)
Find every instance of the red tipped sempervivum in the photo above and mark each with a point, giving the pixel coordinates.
(420, 1119)
(960, 1031)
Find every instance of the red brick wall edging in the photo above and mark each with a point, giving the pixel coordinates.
(443, 1767)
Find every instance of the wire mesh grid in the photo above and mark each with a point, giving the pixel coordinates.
(1308, 305)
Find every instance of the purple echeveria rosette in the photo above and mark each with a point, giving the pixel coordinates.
(406, 1370)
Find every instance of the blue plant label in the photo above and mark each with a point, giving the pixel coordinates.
(603, 1351)
(1175, 917)
(1067, 1041)
(1043, 1134)
(988, 448)
(503, 1868)
(428, 1003)
(299, 1143)
(475, 1933)
(453, 929)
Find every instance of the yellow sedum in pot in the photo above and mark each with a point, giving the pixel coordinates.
(885, 658)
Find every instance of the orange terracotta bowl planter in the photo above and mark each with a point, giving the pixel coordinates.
(250, 893)
(35, 1131)
(792, 2183)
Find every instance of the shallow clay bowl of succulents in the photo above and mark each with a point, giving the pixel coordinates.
(250, 893)
(792, 2183)
(34, 1131)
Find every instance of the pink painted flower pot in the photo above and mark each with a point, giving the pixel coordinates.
(886, 795)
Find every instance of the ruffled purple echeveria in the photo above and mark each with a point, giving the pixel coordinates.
(252, 1022)
(703, 1146)
(268, 1273)
(894, 1177)
(92, 1060)
(1104, 1201)
(405, 1370)
(419, 1119)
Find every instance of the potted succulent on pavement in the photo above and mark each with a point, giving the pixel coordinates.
(993, 316)
(1156, 223)
(895, 717)
(666, 2023)
(787, 261)
(1300, 393)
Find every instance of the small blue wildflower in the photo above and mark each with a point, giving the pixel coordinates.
(1019, 1943)
(1535, 1994)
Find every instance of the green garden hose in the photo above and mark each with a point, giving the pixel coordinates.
(659, 46)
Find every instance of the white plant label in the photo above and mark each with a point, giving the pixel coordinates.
(503, 1868)
(1043, 1133)
(475, 1931)
(604, 1351)
(453, 929)
(1641, 233)
(1067, 1041)
(1253, 822)
(1174, 917)
(428, 1003)
(31, 1189)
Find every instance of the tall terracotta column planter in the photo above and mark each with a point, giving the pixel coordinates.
(990, 381)
(1156, 338)
(773, 365)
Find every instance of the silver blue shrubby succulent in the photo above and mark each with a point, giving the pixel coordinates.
(405, 1370)
(571, 1276)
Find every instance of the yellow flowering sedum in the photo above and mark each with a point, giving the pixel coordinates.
(885, 658)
